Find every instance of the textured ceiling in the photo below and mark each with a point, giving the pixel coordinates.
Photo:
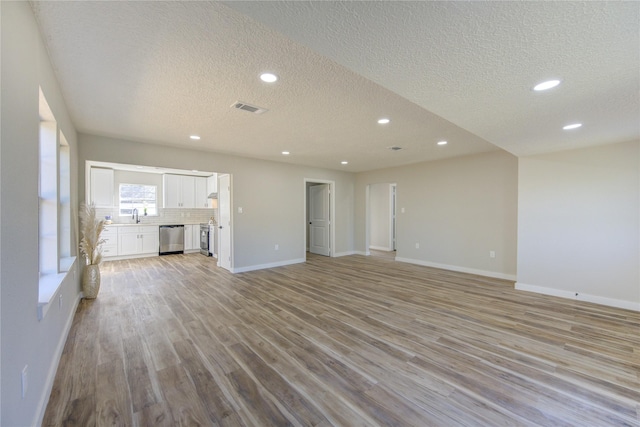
(461, 71)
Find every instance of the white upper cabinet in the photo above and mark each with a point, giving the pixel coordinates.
(184, 191)
(172, 189)
(188, 192)
(212, 183)
(179, 191)
(101, 187)
(202, 192)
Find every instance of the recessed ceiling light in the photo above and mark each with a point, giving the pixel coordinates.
(268, 77)
(195, 170)
(442, 142)
(285, 153)
(546, 85)
(139, 167)
(573, 126)
(194, 137)
(344, 162)
(383, 121)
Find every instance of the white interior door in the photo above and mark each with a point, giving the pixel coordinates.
(224, 221)
(319, 219)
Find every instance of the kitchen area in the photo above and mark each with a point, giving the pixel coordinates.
(152, 211)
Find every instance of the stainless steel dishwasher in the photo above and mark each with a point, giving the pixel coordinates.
(171, 239)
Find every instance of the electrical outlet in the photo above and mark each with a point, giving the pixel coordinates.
(276, 247)
(492, 254)
(60, 300)
(24, 377)
(239, 209)
(417, 245)
(401, 210)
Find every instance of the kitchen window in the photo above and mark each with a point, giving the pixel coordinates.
(138, 196)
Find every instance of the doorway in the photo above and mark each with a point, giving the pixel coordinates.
(319, 210)
(381, 220)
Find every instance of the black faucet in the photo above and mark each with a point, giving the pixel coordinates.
(135, 215)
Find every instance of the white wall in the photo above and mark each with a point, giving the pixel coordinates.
(25, 340)
(578, 224)
(380, 237)
(457, 210)
(271, 194)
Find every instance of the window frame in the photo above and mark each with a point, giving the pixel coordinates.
(145, 206)
(56, 260)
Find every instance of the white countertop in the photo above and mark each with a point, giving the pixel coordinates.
(147, 224)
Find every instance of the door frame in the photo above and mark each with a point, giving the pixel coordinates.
(332, 214)
(393, 216)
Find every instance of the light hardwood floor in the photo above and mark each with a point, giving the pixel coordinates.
(351, 341)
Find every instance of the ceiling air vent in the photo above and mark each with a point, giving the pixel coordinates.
(395, 148)
(248, 107)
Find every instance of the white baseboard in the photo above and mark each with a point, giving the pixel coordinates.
(459, 269)
(579, 296)
(119, 258)
(53, 368)
(269, 265)
(347, 253)
(287, 262)
(380, 248)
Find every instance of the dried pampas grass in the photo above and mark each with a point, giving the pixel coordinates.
(91, 228)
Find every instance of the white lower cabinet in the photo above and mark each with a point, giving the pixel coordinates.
(138, 240)
(150, 240)
(110, 246)
(188, 237)
(196, 237)
(191, 237)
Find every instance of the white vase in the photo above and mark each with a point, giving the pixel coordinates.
(91, 281)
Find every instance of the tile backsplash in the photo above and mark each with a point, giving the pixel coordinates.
(166, 216)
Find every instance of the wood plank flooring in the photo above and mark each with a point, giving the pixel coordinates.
(351, 341)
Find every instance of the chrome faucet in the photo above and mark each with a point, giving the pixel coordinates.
(135, 215)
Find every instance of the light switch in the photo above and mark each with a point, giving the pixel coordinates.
(239, 209)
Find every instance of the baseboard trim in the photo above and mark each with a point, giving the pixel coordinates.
(347, 253)
(381, 248)
(458, 269)
(53, 369)
(268, 265)
(579, 296)
(121, 257)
